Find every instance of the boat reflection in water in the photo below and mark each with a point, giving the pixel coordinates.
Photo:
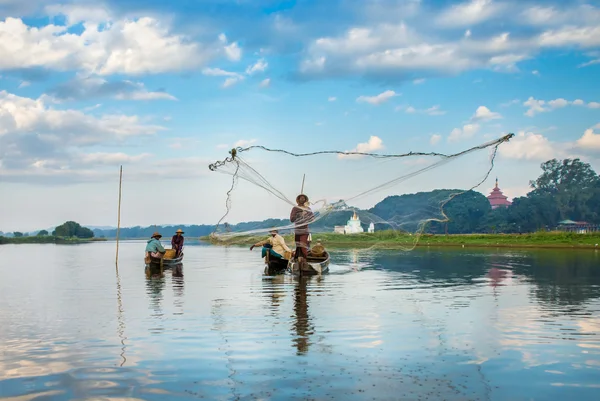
(302, 326)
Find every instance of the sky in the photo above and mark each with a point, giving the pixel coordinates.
(166, 88)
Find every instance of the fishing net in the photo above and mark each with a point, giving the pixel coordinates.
(379, 199)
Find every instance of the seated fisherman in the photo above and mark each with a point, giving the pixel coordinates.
(275, 245)
(154, 248)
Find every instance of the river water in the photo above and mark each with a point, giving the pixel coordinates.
(432, 324)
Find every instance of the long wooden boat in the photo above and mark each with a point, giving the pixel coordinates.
(314, 265)
(275, 266)
(166, 263)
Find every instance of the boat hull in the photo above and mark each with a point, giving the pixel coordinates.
(275, 266)
(167, 263)
(312, 266)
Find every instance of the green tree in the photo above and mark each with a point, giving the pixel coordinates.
(42, 233)
(73, 229)
(17, 234)
(573, 185)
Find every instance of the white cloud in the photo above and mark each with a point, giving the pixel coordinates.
(265, 83)
(385, 49)
(589, 140)
(103, 158)
(467, 131)
(419, 81)
(83, 88)
(104, 46)
(218, 72)
(558, 103)
(585, 37)
(232, 77)
(232, 81)
(540, 106)
(24, 84)
(260, 66)
(223, 146)
(374, 143)
(242, 143)
(484, 114)
(232, 50)
(535, 72)
(529, 146)
(378, 99)
(432, 111)
(176, 145)
(332, 98)
(589, 63)
(435, 138)
(33, 133)
(469, 13)
(510, 103)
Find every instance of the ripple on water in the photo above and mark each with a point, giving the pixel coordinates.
(428, 324)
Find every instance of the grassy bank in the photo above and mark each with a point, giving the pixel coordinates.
(394, 240)
(46, 239)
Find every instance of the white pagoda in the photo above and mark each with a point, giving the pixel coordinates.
(353, 225)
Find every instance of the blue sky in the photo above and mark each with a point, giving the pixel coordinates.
(165, 88)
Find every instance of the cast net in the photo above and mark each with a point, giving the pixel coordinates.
(381, 200)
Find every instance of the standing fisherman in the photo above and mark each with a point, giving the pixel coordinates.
(301, 215)
(177, 242)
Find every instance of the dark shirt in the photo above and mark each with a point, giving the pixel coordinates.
(177, 241)
(300, 221)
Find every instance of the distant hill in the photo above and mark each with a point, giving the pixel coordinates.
(400, 212)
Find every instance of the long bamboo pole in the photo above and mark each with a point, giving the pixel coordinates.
(119, 213)
(303, 177)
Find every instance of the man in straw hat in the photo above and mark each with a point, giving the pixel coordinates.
(177, 242)
(275, 245)
(301, 215)
(154, 248)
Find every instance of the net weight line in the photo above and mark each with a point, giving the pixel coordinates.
(235, 159)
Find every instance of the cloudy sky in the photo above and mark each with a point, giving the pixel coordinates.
(164, 89)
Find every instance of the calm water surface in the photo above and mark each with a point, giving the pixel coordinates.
(429, 324)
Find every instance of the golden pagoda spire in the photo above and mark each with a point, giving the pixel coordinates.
(496, 182)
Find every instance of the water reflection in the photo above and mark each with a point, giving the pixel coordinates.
(178, 288)
(120, 320)
(302, 326)
(429, 324)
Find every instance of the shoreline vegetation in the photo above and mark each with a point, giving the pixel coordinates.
(395, 240)
(47, 239)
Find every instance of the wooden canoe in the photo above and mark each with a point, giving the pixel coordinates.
(167, 263)
(314, 265)
(275, 266)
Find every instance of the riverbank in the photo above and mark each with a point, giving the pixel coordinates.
(47, 239)
(394, 240)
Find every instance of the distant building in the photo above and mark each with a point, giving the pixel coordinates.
(371, 228)
(339, 230)
(580, 227)
(497, 198)
(353, 225)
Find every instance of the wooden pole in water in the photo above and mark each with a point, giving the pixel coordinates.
(303, 177)
(119, 213)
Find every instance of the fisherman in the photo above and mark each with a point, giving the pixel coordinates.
(154, 248)
(275, 245)
(177, 242)
(301, 215)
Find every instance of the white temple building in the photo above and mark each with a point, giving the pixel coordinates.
(353, 225)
